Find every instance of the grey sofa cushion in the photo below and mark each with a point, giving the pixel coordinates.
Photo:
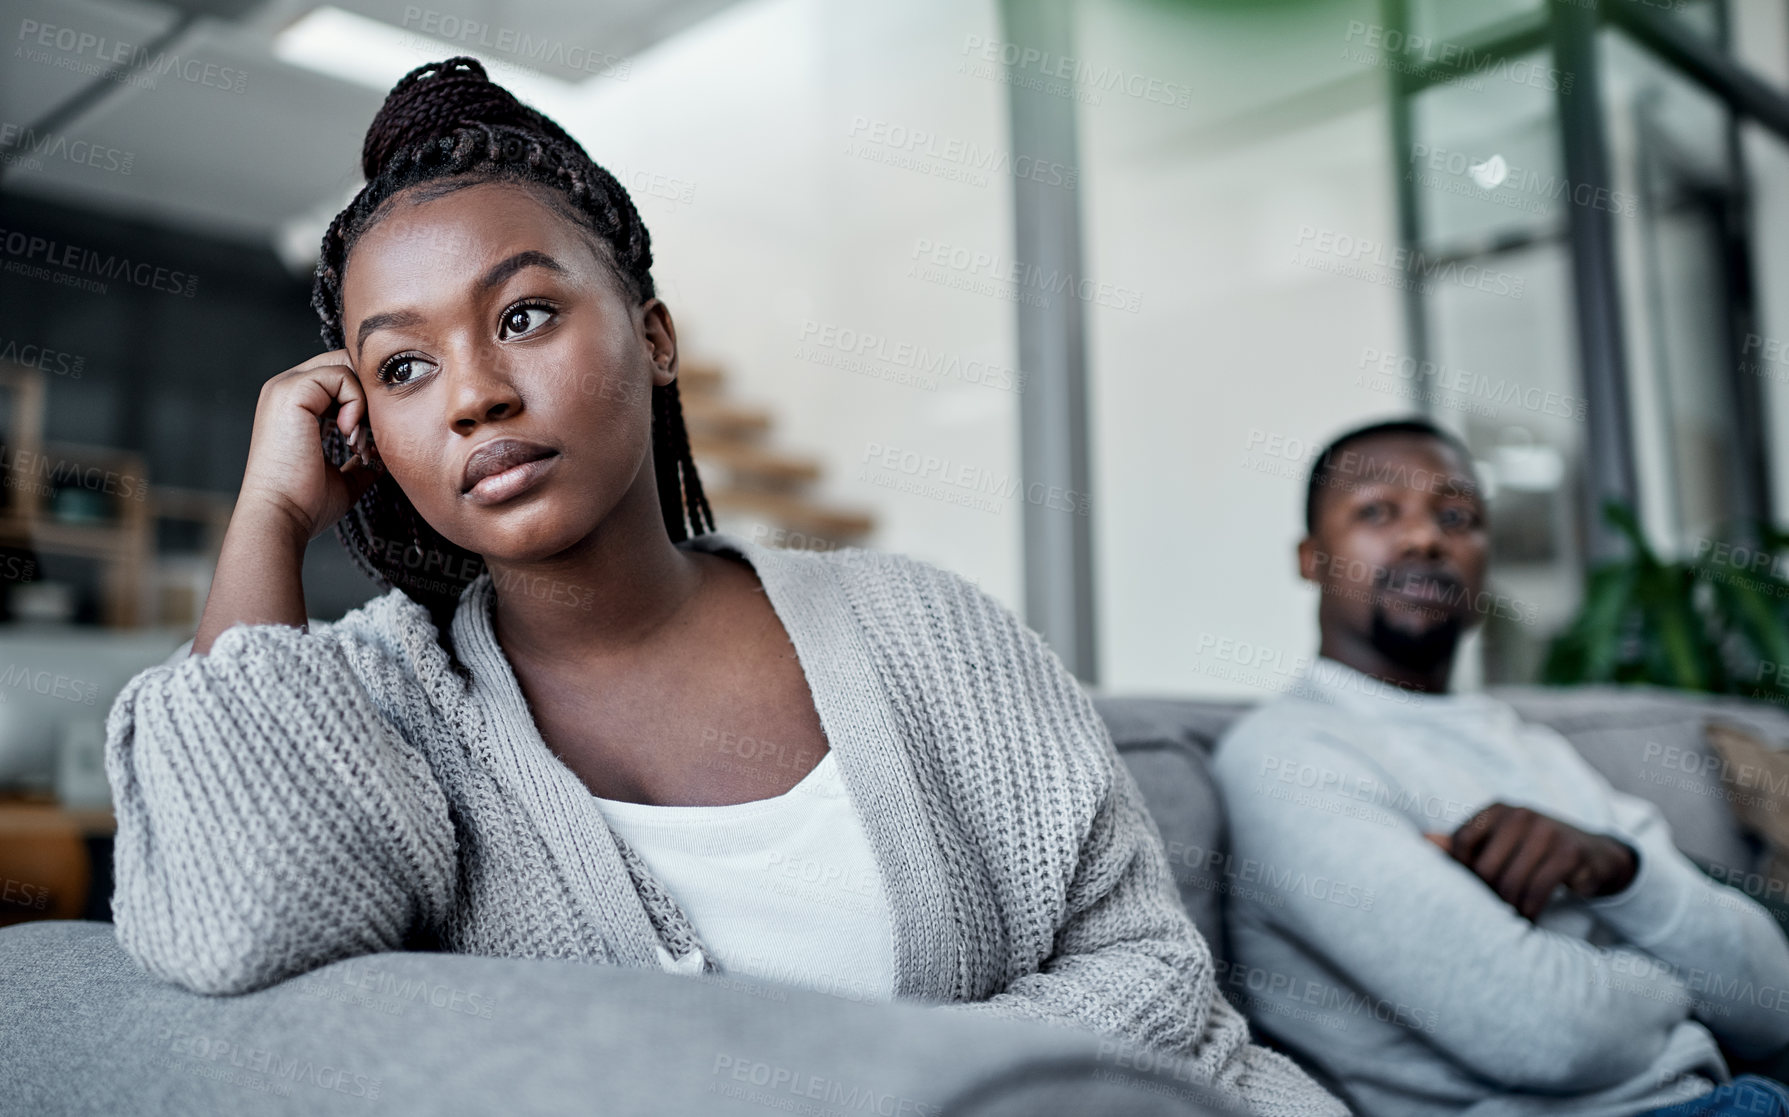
(84, 1031)
(1148, 720)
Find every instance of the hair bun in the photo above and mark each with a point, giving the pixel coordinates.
(435, 100)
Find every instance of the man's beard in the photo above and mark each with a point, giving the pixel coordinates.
(1419, 650)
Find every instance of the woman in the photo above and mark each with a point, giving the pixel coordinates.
(534, 744)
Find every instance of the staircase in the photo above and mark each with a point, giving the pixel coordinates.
(766, 491)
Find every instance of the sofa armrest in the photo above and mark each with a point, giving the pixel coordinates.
(85, 1032)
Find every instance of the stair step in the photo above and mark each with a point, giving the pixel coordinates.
(712, 416)
(794, 512)
(758, 480)
(699, 377)
(745, 458)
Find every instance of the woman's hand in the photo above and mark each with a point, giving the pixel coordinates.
(288, 477)
(289, 495)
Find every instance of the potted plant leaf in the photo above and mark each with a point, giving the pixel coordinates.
(1716, 622)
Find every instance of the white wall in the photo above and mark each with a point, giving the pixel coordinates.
(1203, 209)
(774, 230)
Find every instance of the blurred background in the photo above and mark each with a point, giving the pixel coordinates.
(1060, 294)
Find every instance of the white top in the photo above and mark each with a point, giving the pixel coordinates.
(786, 889)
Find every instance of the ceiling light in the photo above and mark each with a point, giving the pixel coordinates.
(353, 48)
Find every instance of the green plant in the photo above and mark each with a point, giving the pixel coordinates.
(1716, 622)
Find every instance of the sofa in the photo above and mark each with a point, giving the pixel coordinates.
(84, 1032)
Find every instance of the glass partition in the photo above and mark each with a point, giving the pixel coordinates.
(1490, 198)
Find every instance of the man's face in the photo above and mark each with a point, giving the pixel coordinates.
(1399, 548)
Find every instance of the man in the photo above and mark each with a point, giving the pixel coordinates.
(1461, 916)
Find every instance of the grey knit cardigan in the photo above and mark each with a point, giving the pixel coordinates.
(293, 797)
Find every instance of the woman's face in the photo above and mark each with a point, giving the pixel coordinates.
(484, 314)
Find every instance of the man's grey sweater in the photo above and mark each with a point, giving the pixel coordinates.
(1401, 974)
(292, 798)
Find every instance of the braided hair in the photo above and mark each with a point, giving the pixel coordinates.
(447, 124)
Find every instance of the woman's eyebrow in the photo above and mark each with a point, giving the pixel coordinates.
(383, 321)
(530, 258)
(498, 272)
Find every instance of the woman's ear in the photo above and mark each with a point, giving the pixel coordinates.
(661, 340)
